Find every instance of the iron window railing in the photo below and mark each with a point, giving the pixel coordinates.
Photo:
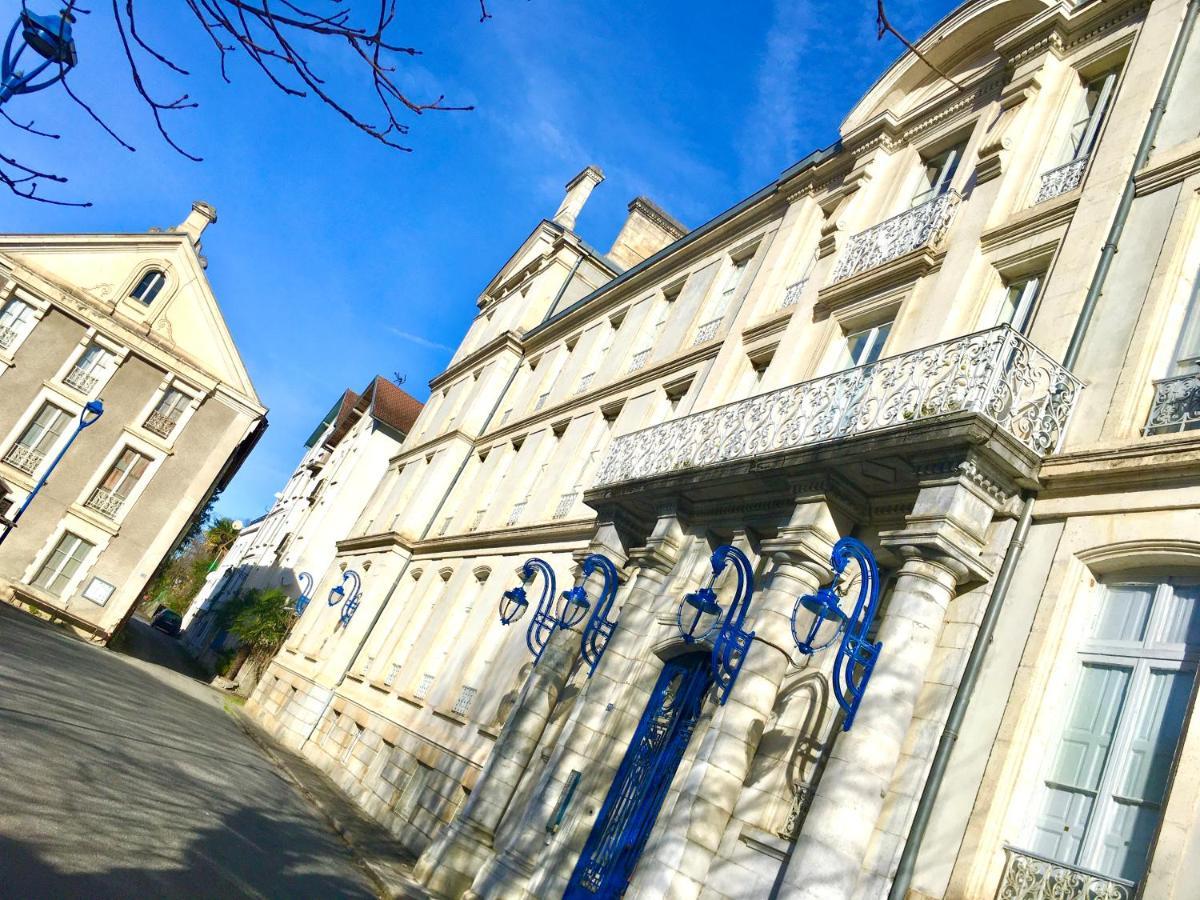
(160, 424)
(423, 686)
(708, 330)
(922, 226)
(541, 401)
(8, 337)
(1061, 179)
(639, 360)
(1176, 405)
(996, 373)
(791, 294)
(465, 698)
(1028, 876)
(585, 382)
(107, 503)
(518, 510)
(82, 381)
(565, 504)
(24, 458)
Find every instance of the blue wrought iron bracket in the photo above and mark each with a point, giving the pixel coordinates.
(730, 640)
(514, 602)
(349, 600)
(306, 588)
(600, 627)
(856, 656)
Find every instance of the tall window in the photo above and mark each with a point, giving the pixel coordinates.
(38, 438)
(92, 359)
(88, 369)
(1093, 107)
(1017, 307)
(148, 287)
(119, 483)
(167, 412)
(938, 174)
(1187, 354)
(1106, 788)
(58, 570)
(865, 347)
(16, 316)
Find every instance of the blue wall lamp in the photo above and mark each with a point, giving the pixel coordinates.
(827, 622)
(699, 619)
(599, 627)
(49, 37)
(306, 587)
(349, 600)
(514, 603)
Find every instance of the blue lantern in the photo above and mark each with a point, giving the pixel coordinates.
(514, 602)
(730, 640)
(349, 600)
(599, 627)
(856, 655)
(48, 37)
(306, 586)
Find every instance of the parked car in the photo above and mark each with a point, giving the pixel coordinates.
(168, 621)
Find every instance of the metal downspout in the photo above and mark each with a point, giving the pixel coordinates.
(962, 698)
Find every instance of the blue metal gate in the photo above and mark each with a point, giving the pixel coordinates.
(641, 783)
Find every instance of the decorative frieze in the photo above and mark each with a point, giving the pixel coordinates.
(922, 226)
(1176, 404)
(996, 373)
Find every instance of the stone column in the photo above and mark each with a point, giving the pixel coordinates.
(593, 728)
(450, 863)
(701, 814)
(941, 547)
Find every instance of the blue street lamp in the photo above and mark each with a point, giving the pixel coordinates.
(90, 413)
(338, 594)
(514, 602)
(856, 655)
(47, 36)
(306, 586)
(699, 619)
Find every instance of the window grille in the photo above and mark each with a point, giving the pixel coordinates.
(465, 698)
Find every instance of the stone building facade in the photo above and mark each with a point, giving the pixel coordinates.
(129, 320)
(345, 458)
(964, 334)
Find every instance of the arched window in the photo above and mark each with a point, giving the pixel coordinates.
(149, 286)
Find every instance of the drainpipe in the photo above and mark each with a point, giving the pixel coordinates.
(958, 709)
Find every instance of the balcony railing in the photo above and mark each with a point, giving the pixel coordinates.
(518, 510)
(8, 337)
(105, 502)
(479, 514)
(791, 294)
(565, 504)
(996, 373)
(708, 330)
(921, 226)
(1028, 876)
(465, 698)
(541, 401)
(24, 458)
(585, 382)
(423, 686)
(639, 360)
(160, 424)
(1176, 405)
(1061, 179)
(82, 381)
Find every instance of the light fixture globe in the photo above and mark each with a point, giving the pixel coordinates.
(573, 607)
(92, 410)
(50, 36)
(336, 595)
(693, 609)
(820, 617)
(513, 604)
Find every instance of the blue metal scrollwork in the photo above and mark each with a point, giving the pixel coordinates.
(599, 627)
(699, 619)
(338, 594)
(856, 655)
(306, 587)
(514, 603)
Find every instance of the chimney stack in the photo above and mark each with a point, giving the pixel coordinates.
(201, 216)
(579, 189)
(647, 230)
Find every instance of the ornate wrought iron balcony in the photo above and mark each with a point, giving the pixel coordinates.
(708, 330)
(105, 502)
(1061, 179)
(82, 381)
(996, 373)
(465, 698)
(921, 226)
(24, 458)
(1176, 404)
(1028, 876)
(565, 504)
(639, 360)
(160, 424)
(8, 337)
(518, 510)
(791, 294)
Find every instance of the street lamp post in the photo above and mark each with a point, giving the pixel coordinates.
(49, 37)
(90, 413)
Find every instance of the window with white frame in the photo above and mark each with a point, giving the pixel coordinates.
(938, 174)
(1092, 108)
(40, 436)
(63, 563)
(715, 314)
(167, 412)
(111, 495)
(865, 347)
(1016, 309)
(89, 368)
(148, 287)
(16, 318)
(1104, 791)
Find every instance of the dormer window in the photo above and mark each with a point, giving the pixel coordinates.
(148, 287)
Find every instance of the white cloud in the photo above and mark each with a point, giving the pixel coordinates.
(419, 340)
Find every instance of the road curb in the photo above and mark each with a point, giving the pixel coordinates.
(365, 838)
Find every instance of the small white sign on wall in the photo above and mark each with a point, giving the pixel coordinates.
(98, 591)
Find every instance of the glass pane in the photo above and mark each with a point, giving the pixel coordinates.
(881, 336)
(1180, 615)
(855, 344)
(1155, 733)
(1124, 611)
(1088, 732)
(1123, 847)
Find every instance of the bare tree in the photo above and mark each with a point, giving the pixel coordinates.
(271, 33)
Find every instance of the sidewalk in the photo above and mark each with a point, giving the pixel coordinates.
(384, 860)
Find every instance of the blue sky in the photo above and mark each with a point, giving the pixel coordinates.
(335, 258)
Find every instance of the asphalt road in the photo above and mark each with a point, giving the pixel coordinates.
(119, 778)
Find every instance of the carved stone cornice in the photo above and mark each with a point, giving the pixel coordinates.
(508, 341)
